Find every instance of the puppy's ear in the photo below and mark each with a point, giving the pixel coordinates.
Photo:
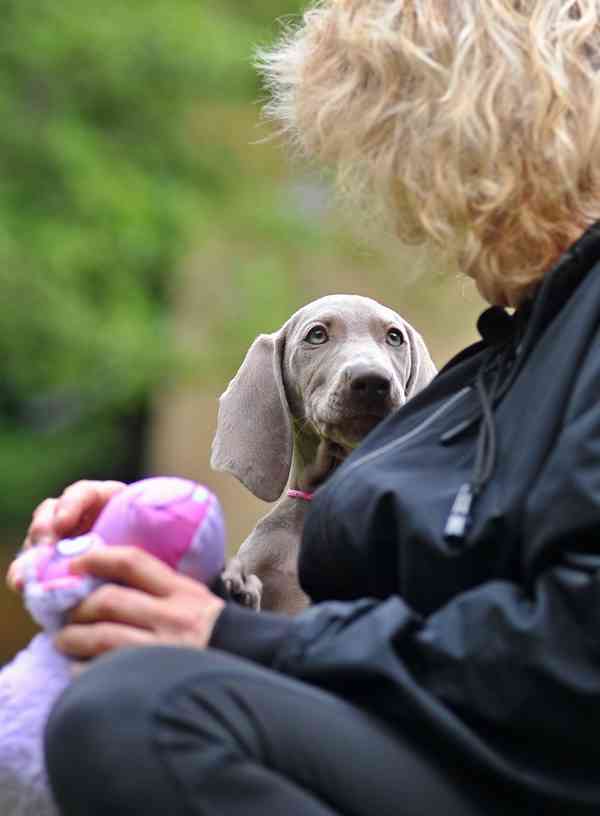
(254, 431)
(422, 368)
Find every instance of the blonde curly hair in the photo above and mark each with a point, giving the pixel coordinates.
(475, 123)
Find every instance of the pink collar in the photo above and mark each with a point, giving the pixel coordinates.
(300, 494)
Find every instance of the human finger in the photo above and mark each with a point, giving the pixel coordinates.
(73, 513)
(14, 578)
(38, 533)
(132, 566)
(119, 604)
(82, 641)
(80, 504)
(41, 529)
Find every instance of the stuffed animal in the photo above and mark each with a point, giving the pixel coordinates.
(176, 520)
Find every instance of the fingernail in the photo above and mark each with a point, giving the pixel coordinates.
(45, 541)
(14, 577)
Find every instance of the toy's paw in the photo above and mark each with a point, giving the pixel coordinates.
(244, 589)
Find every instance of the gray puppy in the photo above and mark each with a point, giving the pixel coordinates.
(303, 398)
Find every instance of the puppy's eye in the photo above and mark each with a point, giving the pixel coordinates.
(394, 337)
(317, 336)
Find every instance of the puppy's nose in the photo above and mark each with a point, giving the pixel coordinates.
(369, 384)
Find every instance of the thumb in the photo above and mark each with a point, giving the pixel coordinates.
(14, 577)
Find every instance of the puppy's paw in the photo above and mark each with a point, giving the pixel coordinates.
(244, 589)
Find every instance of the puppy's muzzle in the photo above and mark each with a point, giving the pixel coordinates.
(369, 385)
(368, 389)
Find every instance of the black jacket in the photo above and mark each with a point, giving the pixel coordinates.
(486, 646)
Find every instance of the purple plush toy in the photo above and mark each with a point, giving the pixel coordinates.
(176, 520)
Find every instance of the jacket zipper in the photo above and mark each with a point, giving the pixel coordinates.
(399, 441)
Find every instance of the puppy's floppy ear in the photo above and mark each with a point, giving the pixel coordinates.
(422, 368)
(254, 431)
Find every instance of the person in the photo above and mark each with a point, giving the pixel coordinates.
(450, 660)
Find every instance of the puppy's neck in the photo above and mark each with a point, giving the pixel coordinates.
(313, 460)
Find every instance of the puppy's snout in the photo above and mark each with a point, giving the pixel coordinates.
(368, 384)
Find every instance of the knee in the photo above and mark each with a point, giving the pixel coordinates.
(80, 732)
(139, 704)
(104, 712)
(100, 721)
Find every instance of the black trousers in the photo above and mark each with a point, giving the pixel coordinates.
(175, 731)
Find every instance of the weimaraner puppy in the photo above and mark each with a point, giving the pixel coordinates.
(303, 398)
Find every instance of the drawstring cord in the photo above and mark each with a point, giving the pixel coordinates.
(459, 518)
(486, 442)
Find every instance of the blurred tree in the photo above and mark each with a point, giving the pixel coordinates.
(102, 187)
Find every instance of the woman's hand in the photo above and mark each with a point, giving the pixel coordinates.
(71, 514)
(157, 606)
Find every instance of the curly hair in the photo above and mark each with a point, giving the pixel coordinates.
(475, 123)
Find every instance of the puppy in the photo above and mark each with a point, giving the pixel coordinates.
(303, 398)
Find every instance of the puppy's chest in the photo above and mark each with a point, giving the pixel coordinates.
(275, 541)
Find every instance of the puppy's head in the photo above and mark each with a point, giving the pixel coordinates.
(349, 362)
(335, 369)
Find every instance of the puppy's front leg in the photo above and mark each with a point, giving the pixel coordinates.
(243, 588)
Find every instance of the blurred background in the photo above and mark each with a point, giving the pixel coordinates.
(148, 232)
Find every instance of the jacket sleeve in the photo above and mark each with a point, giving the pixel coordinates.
(511, 659)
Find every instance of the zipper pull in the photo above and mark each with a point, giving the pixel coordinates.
(460, 515)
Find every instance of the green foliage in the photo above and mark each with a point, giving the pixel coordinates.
(104, 184)
(135, 182)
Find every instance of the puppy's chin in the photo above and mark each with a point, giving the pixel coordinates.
(348, 432)
(337, 442)
(353, 430)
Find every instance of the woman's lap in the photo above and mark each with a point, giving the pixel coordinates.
(169, 731)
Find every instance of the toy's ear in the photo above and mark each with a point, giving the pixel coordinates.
(253, 440)
(422, 367)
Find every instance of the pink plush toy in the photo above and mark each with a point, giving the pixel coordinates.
(176, 520)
